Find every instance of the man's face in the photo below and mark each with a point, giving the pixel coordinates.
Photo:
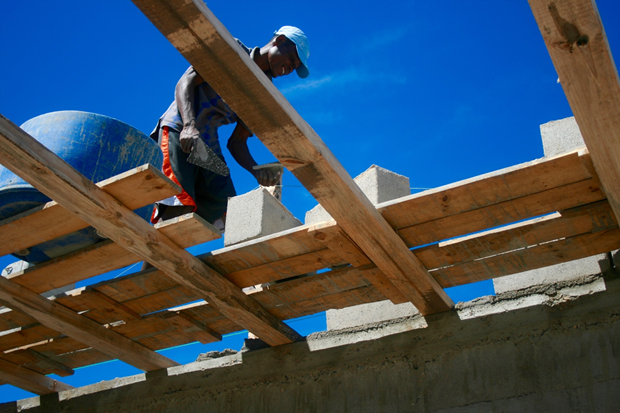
(283, 58)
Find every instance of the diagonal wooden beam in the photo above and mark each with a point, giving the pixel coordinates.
(85, 330)
(51, 175)
(577, 44)
(29, 380)
(206, 44)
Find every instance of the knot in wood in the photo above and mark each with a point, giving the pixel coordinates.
(320, 236)
(126, 241)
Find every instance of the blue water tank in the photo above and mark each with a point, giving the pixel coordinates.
(97, 146)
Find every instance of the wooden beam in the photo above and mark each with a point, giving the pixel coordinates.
(207, 45)
(29, 380)
(52, 176)
(51, 220)
(577, 44)
(91, 333)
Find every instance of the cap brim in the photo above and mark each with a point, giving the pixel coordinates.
(303, 72)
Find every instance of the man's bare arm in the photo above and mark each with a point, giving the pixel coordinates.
(238, 147)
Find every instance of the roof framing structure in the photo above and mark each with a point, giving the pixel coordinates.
(131, 317)
(210, 48)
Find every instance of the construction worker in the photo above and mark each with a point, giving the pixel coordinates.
(196, 113)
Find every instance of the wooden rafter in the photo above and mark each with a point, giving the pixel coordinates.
(52, 176)
(206, 44)
(577, 44)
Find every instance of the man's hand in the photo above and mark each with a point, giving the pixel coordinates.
(187, 137)
(268, 176)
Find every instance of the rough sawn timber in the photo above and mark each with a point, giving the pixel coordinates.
(55, 178)
(206, 44)
(577, 44)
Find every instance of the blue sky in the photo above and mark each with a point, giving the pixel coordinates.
(438, 91)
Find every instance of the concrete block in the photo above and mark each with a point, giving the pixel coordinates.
(572, 270)
(254, 215)
(363, 314)
(377, 183)
(561, 136)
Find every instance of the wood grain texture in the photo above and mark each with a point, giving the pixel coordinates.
(576, 41)
(135, 188)
(486, 190)
(51, 175)
(207, 45)
(29, 380)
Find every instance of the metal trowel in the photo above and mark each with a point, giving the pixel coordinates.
(204, 157)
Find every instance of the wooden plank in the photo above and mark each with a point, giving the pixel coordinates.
(135, 188)
(10, 319)
(585, 219)
(51, 175)
(542, 255)
(576, 41)
(186, 231)
(71, 353)
(97, 306)
(59, 318)
(486, 190)
(165, 329)
(276, 247)
(27, 335)
(29, 380)
(314, 286)
(207, 45)
(556, 199)
(286, 268)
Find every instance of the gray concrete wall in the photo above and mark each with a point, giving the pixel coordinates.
(495, 354)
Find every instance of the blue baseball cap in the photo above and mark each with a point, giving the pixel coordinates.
(303, 48)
